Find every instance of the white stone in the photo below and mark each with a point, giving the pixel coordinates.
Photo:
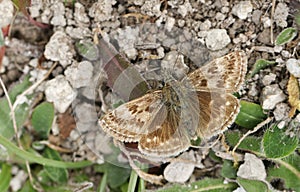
(35, 7)
(102, 10)
(217, 39)
(293, 66)
(206, 25)
(6, 12)
(239, 189)
(60, 48)
(178, 171)
(78, 32)
(271, 96)
(185, 8)
(151, 8)
(220, 16)
(169, 23)
(242, 9)
(79, 14)
(286, 54)
(80, 74)
(281, 111)
(252, 168)
(268, 79)
(58, 18)
(59, 91)
(127, 39)
(17, 181)
(281, 14)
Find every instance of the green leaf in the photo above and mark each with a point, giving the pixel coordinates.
(207, 184)
(250, 143)
(252, 185)
(228, 170)
(250, 115)
(288, 171)
(42, 119)
(21, 112)
(44, 177)
(260, 64)
(88, 50)
(5, 177)
(27, 187)
(286, 36)
(277, 144)
(116, 175)
(59, 175)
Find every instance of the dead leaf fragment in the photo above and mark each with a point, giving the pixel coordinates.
(293, 91)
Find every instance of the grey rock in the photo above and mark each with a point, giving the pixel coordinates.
(252, 168)
(217, 39)
(59, 91)
(60, 48)
(281, 14)
(293, 66)
(242, 9)
(271, 96)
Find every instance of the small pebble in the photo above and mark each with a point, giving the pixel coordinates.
(268, 79)
(6, 12)
(293, 66)
(281, 14)
(59, 91)
(217, 39)
(80, 74)
(242, 9)
(281, 111)
(60, 48)
(252, 168)
(180, 172)
(271, 96)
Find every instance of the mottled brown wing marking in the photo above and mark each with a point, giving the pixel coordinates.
(164, 136)
(126, 123)
(225, 72)
(167, 139)
(220, 112)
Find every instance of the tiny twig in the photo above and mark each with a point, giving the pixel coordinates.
(256, 128)
(56, 148)
(83, 186)
(32, 87)
(272, 15)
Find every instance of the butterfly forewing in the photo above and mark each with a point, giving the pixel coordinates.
(227, 72)
(127, 122)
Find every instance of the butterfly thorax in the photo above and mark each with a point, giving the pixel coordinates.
(171, 97)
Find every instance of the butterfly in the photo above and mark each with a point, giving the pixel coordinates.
(164, 122)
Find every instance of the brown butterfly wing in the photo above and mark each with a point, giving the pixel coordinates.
(217, 112)
(127, 122)
(227, 72)
(165, 137)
